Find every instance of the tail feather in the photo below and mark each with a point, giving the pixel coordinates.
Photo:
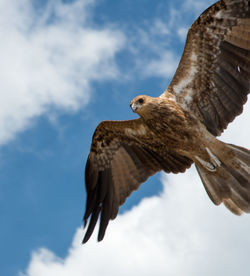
(232, 207)
(230, 183)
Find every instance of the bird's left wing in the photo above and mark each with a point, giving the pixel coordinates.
(123, 154)
(212, 80)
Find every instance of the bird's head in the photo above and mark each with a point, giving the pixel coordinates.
(141, 105)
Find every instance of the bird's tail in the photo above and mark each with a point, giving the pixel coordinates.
(229, 181)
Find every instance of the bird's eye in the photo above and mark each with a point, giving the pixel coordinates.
(141, 101)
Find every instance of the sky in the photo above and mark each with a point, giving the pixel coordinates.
(66, 66)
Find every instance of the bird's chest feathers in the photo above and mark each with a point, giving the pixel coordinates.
(166, 117)
(171, 126)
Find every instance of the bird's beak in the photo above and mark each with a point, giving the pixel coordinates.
(133, 107)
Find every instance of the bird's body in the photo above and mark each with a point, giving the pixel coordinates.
(172, 127)
(179, 127)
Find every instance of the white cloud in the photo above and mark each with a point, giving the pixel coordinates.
(159, 27)
(193, 6)
(162, 67)
(182, 33)
(161, 36)
(153, 52)
(177, 233)
(49, 57)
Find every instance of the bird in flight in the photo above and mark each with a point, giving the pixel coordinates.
(179, 128)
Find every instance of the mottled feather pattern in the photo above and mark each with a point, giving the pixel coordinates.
(117, 164)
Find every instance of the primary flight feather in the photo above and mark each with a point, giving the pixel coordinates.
(179, 128)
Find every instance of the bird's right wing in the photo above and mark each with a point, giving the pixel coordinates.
(123, 154)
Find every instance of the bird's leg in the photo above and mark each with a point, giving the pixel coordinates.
(215, 161)
(209, 166)
(213, 164)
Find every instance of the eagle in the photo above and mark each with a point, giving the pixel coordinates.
(179, 128)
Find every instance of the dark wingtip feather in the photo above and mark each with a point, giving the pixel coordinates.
(92, 224)
(91, 175)
(99, 201)
(101, 235)
(106, 204)
(105, 217)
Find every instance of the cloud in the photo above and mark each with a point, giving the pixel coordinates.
(49, 56)
(162, 67)
(196, 6)
(179, 232)
(152, 50)
(182, 33)
(155, 55)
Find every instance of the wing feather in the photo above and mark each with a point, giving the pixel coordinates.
(213, 77)
(119, 161)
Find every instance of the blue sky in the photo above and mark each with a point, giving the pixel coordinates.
(66, 66)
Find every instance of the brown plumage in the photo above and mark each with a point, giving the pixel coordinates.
(178, 128)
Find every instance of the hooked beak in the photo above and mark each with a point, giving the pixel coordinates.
(133, 107)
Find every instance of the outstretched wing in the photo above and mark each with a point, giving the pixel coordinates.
(123, 154)
(213, 78)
